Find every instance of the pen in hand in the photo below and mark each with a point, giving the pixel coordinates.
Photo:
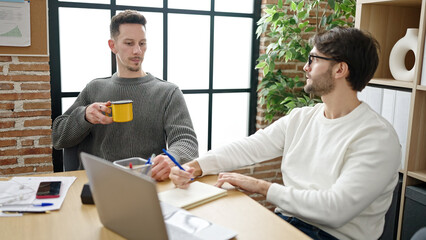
(174, 161)
(149, 162)
(149, 159)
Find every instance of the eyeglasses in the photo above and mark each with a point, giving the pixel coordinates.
(310, 57)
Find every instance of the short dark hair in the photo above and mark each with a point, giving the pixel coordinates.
(128, 16)
(356, 48)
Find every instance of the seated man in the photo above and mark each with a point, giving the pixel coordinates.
(160, 119)
(340, 159)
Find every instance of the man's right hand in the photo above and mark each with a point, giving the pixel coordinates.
(182, 179)
(95, 113)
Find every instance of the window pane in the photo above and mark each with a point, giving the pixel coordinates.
(67, 102)
(87, 1)
(230, 117)
(84, 50)
(198, 105)
(241, 6)
(188, 51)
(190, 4)
(232, 58)
(153, 61)
(140, 3)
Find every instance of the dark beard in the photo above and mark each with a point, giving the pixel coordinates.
(324, 85)
(133, 69)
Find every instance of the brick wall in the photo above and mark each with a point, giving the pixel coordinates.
(25, 116)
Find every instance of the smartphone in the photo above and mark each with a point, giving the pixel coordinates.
(48, 189)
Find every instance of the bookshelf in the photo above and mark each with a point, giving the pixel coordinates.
(387, 21)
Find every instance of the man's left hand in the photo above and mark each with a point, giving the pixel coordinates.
(243, 182)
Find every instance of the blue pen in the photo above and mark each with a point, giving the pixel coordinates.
(149, 159)
(148, 163)
(26, 204)
(174, 161)
(43, 204)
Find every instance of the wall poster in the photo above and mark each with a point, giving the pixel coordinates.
(15, 28)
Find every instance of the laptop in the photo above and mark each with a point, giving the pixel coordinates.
(128, 205)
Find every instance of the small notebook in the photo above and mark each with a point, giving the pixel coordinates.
(196, 194)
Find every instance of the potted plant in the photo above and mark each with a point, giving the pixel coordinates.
(288, 25)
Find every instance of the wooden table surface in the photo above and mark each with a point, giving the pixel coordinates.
(75, 220)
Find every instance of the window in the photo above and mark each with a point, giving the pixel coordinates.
(207, 47)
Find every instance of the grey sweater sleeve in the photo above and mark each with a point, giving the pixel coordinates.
(71, 128)
(180, 134)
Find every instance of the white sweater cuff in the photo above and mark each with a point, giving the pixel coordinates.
(274, 192)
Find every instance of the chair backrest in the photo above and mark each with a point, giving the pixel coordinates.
(420, 234)
(71, 158)
(392, 215)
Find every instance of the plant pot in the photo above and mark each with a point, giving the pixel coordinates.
(398, 53)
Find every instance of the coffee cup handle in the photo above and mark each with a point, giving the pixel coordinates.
(108, 114)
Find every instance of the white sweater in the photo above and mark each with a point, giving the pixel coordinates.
(338, 174)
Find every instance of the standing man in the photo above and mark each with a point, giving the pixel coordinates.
(340, 159)
(160, 119)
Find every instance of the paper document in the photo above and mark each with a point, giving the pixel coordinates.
(181, 224)
(19, 194)
(197, 193)
(15, 28)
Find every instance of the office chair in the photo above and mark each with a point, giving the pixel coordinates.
(71, 158)
(420, 234)
(392, 215)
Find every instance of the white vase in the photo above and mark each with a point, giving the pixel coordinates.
(398, 53)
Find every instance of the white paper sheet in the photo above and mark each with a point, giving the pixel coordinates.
(21, 193)
(15, 28)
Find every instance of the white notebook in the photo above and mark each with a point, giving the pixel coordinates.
(196, 194)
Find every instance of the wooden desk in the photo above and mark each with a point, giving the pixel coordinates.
(75, 220)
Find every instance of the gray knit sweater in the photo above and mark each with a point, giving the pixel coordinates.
(160, 119)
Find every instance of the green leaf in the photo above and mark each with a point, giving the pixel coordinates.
(293, 6)
(280, 3)
(288, 55)
(300, 5)
(271, 66)
(323, 21)
(269, 11)
(262, 57)
(302, 100)
(275, 17)
(309, 29)
(265, 70)
(299, 84)
(261, 65)
(290, 105)
(259, 31)
(302, 14)
(287, 100)
(297, 30)
(331, 3)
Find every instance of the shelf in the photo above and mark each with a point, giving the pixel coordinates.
(392, 2)
(372, 16)
(392, 83)
(421, 87)
(387, 21)
(420, 175)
